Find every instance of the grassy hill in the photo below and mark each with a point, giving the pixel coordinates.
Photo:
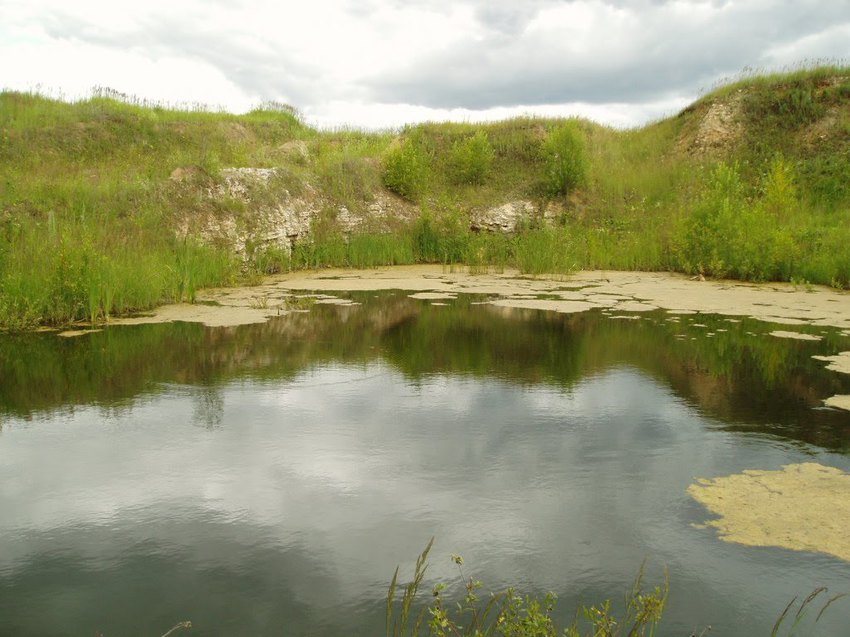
(109, 207)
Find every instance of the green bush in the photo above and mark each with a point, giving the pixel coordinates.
(779, 188)
(565, 158)
(712, 229)
(471, 159)
(407, 168)
(730, 235)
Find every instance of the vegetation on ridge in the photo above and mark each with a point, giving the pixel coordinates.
(751, 181)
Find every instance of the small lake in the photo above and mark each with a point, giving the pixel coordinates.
(267, 479)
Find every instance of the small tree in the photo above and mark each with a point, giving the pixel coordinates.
(779, 188)
(471, 159)
(565, 159)
(407, 169)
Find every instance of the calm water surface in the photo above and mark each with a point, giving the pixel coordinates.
(266, 480)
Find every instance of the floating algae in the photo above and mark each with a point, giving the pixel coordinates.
(840, 401)
(433, 295)
(800, 336)
(838, 363)
(74, 333)
(803, 507)
(618, 291)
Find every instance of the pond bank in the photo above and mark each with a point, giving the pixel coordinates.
(629, 293)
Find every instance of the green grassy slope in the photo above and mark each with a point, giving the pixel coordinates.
(751, 181)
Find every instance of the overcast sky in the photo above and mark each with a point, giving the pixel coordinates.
(380, 63)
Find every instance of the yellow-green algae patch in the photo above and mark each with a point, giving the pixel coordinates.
(837, 363)
(840, 401)
(565, 307)
(803, 507)
(75, 333)
(209, 315)
(617, 291)
(624, 291)
(800, 336)
(433, 295)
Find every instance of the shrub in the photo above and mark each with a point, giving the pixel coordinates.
(711, 231)
(779, 188)
(471, 159)
(407, 169)
(566, 159)
(729, 235)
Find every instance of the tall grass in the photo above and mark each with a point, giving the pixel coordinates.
(69, 272)
(509, 613)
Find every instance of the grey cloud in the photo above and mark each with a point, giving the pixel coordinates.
(505, 16)
(511, 17)
(263, 70)
(666, 54)
(668, 51)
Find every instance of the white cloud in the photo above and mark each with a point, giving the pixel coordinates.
(379, 63)
(380, 115)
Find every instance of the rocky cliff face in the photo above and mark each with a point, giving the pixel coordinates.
(251, 208)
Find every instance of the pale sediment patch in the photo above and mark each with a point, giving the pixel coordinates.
(785, 320)
(74, 333)
(618, 291)
(837, 363)
(577, 295)
(839, 401)
(334, 300)
(209, 315)
(776, 302)
(565, 307)
(803, 507)
(436, 296)
(601, 301)
(635, 306)
(800, 336)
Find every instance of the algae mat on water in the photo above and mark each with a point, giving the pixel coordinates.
(578, 292)
(803, 507)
